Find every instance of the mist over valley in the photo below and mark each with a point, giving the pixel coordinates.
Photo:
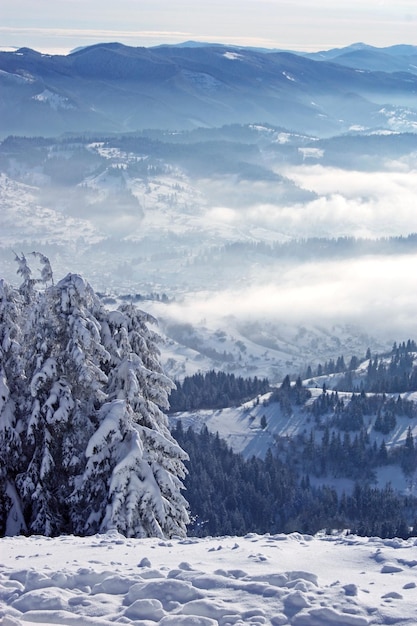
(208, 328)
(289, 231)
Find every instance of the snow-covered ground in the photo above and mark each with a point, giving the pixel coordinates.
(294, 579)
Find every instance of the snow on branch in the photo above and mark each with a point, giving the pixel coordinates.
(86, 445)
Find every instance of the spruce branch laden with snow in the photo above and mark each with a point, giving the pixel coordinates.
(84, 442)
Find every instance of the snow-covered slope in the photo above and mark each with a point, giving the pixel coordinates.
(263, 348)
(277, 580)
(241, 426)
(201, 216)
(24, 218)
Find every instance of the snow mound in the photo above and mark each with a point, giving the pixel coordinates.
(224, 581)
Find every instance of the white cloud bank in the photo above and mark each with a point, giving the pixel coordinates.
(378, 294)
(349, 203)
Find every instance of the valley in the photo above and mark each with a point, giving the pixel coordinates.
(267, 244)
(275, 249)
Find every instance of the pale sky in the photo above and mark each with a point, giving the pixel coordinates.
(61, 25)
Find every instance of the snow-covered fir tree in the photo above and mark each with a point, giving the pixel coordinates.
(133, 436)
(11, 378)
(86, 445)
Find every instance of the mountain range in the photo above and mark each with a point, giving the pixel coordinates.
(261, 205)
(201, 210)
(116, 88)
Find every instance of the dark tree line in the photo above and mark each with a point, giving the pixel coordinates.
(215, 390)
(349, 414)
(315, 247)
(230, 495)
(349, 455)
(392, 372)
(340, 455)
(397, 376)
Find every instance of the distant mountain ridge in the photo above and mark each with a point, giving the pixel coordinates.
(111, 87)
(398, 58)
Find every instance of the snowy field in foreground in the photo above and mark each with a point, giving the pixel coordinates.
(282, 579)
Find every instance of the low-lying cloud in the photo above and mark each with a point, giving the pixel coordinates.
(358, 204)
(378, 294)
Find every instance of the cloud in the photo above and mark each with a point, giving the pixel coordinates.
(349, 203)
(377, 294)
(224, 215)
(326, 180)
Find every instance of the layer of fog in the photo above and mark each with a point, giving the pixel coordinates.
(378, 294)
(349, 203)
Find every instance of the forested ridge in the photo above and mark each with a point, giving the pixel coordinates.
(312, 248)
(291, 489)
(394, 371)
(214, 390)
(232, 496)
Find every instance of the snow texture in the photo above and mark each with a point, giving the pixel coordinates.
(85, 446)
(299, 580)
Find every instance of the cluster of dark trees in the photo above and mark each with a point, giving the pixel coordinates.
(397, 376)
(314, 248)
(215, 390)
(349, 415)
(391, 372)
(287, 395)
(230, 495)
(333, 367)
(153, 296)
(287, 490)
(338, 455)
(354, 456)
(348, 455)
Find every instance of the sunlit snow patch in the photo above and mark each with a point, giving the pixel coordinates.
(233, 56)
(311, 153)
(294, 579)
(54, 100)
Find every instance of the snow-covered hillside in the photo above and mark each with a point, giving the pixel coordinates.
(277, 580)
(24, 218)
(253, 239)
(263, 348)
(259, 425)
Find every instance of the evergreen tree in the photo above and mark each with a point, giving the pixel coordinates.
(92, 449)
(11, 375)
(409, 454)
(64, 358)
(134, 436)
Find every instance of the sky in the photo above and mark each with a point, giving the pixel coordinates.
(62, 25)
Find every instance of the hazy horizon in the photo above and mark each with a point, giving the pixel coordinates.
(297, 25)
